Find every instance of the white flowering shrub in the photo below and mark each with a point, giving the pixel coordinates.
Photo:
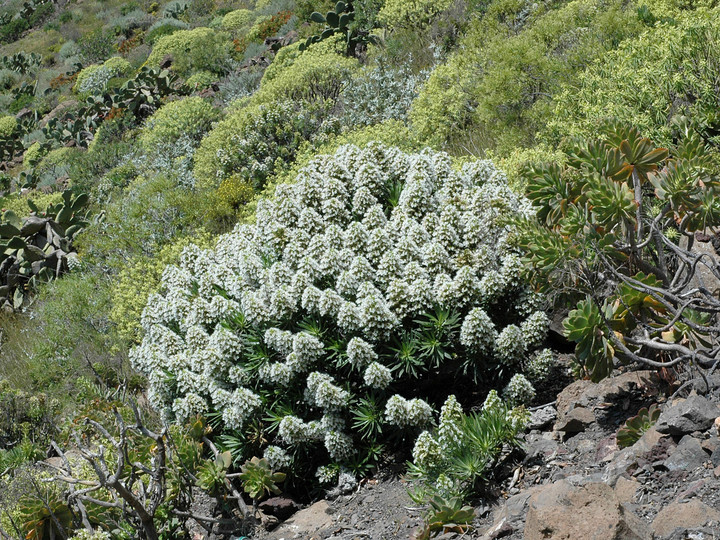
(519, 391)
(539, 365)
(85, 535)
(95, 78)
(451, 460)
(320, 322)
(379, 94)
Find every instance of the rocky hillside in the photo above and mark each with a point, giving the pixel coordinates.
(570, 479)
(393, 268)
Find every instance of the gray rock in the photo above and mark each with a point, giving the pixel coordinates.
(605, 449)
(589, 395)
(710, 445)
(563, 512)
(715, 458)
(510, 516)
(688, 455)
(305, 523)
(695, 413)
(280, 507)
(575, 421)
(542, 417)
(541, 447)
(690, 515)
(624, 462)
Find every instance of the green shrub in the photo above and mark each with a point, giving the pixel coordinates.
(669, 70)
(138, 280)
(8, 79)
(69, 49)
(148, 214)
(356, 282)
(55, 165)
(131, 22)
(97, 45)
(317, 74)
(8, 126)
(240, 84)
(415, 14)
(193, 50)
(201, 80)
(11, 31)
(256, 142)
(190, 117)
(237, 20)
(453, 460)
(503, 79)
(94, 79)
(164, 27)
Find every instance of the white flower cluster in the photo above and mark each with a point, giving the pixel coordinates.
(510, 345)
(447, 486)
(427, 452)
(277, 457)
(327, 474)
(492, 401)
(478, 331)
(86, 535)
(293, 430)
(321, 392)
(331, 246)
(539, 365)
(519, 418)
(449, 431)
(360, 353)
(519, 391)
(534, 328)
(407, 413)
(377, 376)
(430, 450)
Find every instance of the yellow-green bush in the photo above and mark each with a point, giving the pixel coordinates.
(443, 106)
(201, 80)
(669, 70)
(319, 73)
(8, 126)
(415, 14)
(18, 203)
(502, 80)
(189, 117)
(139, 279)
(56, 157)
(236, 20)
(257, 141)
(235, 191)
(193, 50)
(94, 78)
(33, 154)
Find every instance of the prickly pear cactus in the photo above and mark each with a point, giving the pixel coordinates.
(36, 248)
